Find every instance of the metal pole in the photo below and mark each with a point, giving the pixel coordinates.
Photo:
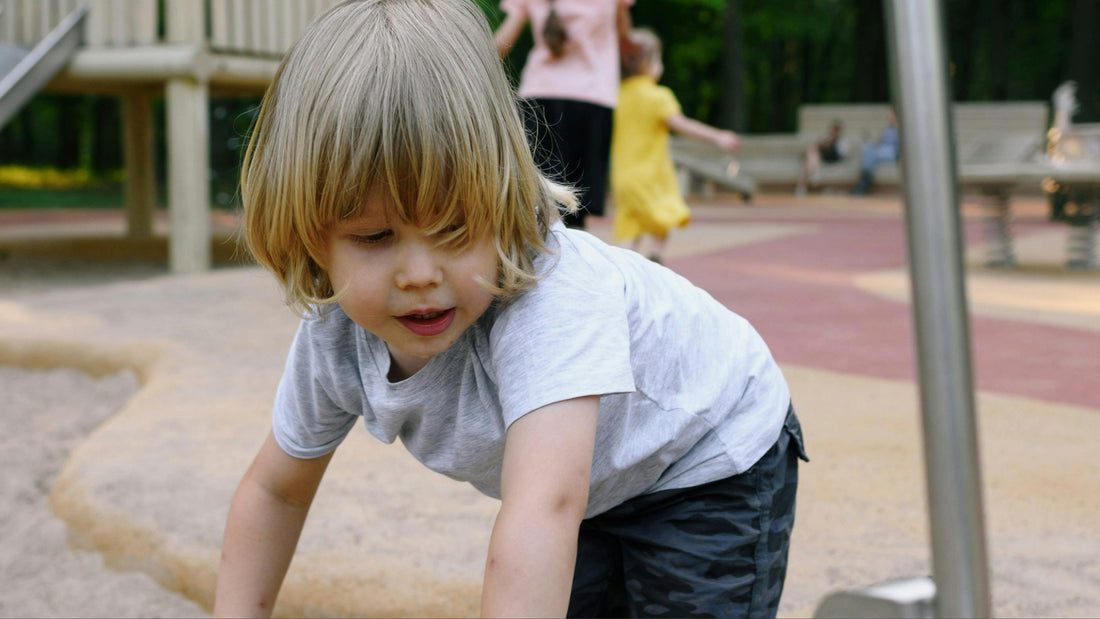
(920, 89)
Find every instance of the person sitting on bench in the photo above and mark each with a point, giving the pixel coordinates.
(830, 149)
(884, 150)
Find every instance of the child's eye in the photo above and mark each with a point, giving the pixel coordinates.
(447, 233)
(373, 238)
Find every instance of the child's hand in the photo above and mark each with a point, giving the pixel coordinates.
(727, 141)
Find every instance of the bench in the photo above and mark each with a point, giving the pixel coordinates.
(776, 159)
(701, 164)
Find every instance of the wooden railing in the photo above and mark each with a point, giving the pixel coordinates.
(250, 27)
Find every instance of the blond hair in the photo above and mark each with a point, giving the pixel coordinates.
(406, 96)
(647, 50)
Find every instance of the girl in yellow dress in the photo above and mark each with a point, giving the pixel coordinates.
(643, 179)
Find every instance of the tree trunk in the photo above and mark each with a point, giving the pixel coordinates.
(963, 22)
(1080, 66)
(733, 115)
(68, 120)
(871, 83)
(998, 38)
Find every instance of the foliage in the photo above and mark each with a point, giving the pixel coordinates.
(25, 177)
(25, 186)
(824, 51)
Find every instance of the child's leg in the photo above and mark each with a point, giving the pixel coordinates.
(811, 162)
(657, 254)
(719, 549)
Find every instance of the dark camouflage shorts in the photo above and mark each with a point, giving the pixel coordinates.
(716, 550)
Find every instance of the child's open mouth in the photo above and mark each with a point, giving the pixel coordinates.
(428, 323)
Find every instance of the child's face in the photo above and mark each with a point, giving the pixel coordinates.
(401, 285)
(655, 68)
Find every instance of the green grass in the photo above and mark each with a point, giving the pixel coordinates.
(101, 196)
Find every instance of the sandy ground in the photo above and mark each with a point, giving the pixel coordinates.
(45, 414)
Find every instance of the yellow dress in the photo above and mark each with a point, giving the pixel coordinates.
(643, 179)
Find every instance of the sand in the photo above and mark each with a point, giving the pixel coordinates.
(44, 414)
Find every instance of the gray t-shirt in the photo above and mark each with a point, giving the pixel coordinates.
(689, 392)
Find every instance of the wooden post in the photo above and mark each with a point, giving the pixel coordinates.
(97, 29)
(137, 133)
(187, 104)
(185, 21)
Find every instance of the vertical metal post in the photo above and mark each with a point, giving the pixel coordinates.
(918, 75)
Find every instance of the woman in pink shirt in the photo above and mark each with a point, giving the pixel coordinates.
(573, 91)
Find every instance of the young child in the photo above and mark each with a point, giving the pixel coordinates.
(643, 180)
(644, 457)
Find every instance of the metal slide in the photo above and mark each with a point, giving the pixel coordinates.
(959, 586)
(23, 72)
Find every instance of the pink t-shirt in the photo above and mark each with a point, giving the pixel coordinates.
(588, 70)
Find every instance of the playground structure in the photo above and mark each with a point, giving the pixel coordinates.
(183, 50)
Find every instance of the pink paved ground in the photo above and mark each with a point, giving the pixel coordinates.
(800, 294)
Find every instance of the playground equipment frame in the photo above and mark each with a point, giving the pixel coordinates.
(960, 584)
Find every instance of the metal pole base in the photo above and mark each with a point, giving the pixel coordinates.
(912, 598)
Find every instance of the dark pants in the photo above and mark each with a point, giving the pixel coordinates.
(715, 550)
(571, 141)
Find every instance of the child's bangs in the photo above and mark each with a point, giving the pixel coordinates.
(431, 187)
(431, 144)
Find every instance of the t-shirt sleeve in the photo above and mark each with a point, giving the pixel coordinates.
(306, 421)
(568, 337)
(665, 103)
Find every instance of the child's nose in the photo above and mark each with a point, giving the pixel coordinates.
(419, 266)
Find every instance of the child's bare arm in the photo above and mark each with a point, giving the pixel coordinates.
(265, 520)
(623, 22)
(726, 140)
(507, 33)
(544, 494)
